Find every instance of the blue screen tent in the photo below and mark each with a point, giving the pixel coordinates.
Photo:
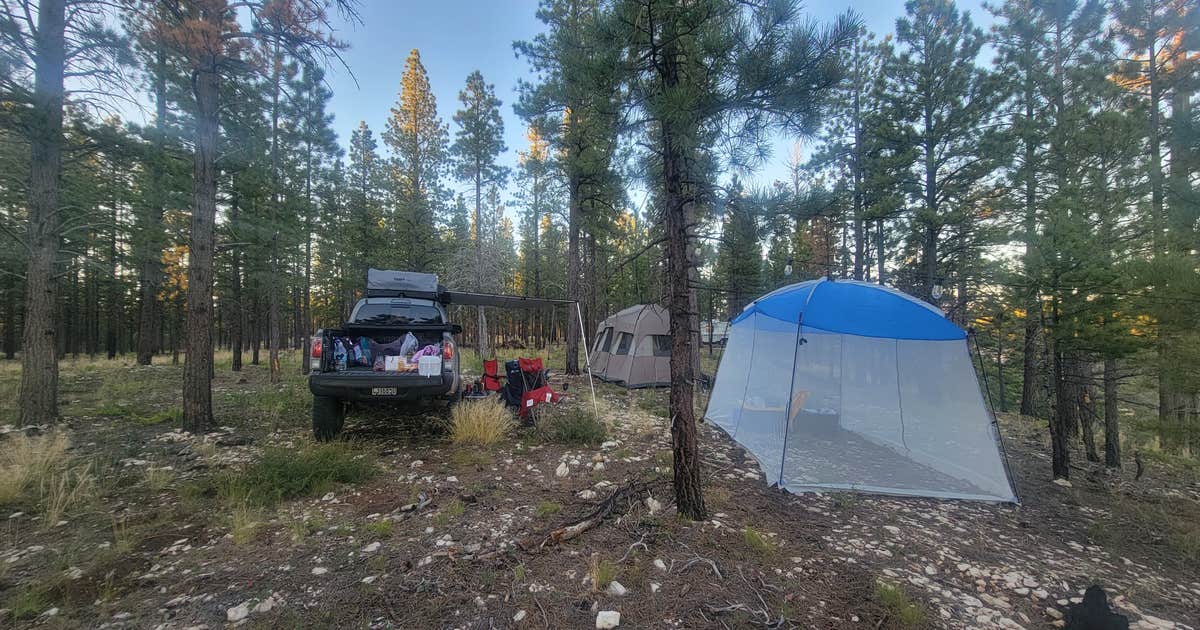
(846, 385)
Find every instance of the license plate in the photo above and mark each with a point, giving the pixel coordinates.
(383, 391)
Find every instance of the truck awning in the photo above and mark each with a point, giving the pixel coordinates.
(464, 298)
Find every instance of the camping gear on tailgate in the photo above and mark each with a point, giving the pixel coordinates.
(847, 385)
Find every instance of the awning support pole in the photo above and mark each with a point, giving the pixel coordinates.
(587, 359)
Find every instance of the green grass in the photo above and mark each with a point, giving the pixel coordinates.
(29, 602)
(571, 425)
(758, 543)
(382, 528)
(546, 508)
(452, 512)
(901, 609)
(284, 474)
(601, 572)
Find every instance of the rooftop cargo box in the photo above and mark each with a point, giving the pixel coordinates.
(389, 283)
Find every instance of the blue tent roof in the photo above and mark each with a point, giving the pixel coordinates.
(855, 308)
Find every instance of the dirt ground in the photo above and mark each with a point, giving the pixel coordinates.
(450, 537)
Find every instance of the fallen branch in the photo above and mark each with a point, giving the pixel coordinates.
(622, 497)
(640, 543)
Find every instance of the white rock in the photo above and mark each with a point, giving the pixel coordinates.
(659, 564)
(369, 579)
(452, 479)
(930, 569)
(416, 464)
(319, 570)
(654, 586)
(609, 444)
(238, 613)
(1053, 613)
(265, 605)
(328, 496)
(587, 495)
(519, 616)
(562, 470)
(50, 613)
(606, 619)
(617, 589)
(654, 505)
(1062, 482)
(371, 548)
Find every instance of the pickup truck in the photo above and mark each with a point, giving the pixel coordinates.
(380, 322)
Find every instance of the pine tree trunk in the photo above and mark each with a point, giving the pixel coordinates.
(11, 299)
(1087, 410)
(237, 320)
(574, 218)
(150, 313)
(1112, 426)
(38, 401)
(1060, 452)
(481, 316)
(112, 305)
(274, 297)
(198, 366)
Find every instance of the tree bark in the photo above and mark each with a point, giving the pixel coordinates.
(1060, 452)
(574, 218)
(1112, 426)
(481, 316)
(38, 402)
(198, 365)
(1087, 410)
(150, 313)
(274, 297)
(238, 317)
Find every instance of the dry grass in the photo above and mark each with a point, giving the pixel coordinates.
(244, 522)
(601, 572)
(63, 490)
(480, 422)
(28, 462)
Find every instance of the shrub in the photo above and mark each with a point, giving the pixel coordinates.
(480, 422)
(572, 425)
(899, 607)
(244, 522)
(284, 474)
(26, 462)
(381, 528)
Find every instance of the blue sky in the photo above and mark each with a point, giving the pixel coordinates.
(456, 37)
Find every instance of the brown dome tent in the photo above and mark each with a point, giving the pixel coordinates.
(633, 347)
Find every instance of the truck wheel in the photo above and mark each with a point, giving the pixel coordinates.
(328, 415)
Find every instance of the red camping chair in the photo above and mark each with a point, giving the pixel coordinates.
(491, 376)
(536, 391)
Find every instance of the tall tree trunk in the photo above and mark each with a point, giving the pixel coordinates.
(1032, 305)
(1087, 408)
(150, 280)
(113, 299)
(198, 366)
(481, 316)
(1112, 426)
(38, 402)
(273, 296)
(237, 320)
(1000, 363)
(11, 299)
(574, 218)
(1060, 452)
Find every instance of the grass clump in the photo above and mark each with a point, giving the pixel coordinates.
(381, 529)
(546, 508)
(158, 479)
(244, 522)
(27, 462)
(284, 474)
(480, 422)
(572, 425)
(903, 610)
(173, 415)
(453, 511)
(601, 572)
(63, 490)
(758, 543)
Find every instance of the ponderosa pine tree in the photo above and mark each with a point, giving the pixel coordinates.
(478, 142)
(700, 68)
(41, 43)
(577, 63)
(206, 34)
(418, 141)
(939, 92)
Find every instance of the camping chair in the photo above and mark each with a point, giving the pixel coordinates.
(491, 378)
(526, 388)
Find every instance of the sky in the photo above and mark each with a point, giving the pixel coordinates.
(456, 37)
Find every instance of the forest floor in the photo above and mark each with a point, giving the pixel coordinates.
(180, 531)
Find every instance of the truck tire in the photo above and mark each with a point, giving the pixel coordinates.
(328, 415)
